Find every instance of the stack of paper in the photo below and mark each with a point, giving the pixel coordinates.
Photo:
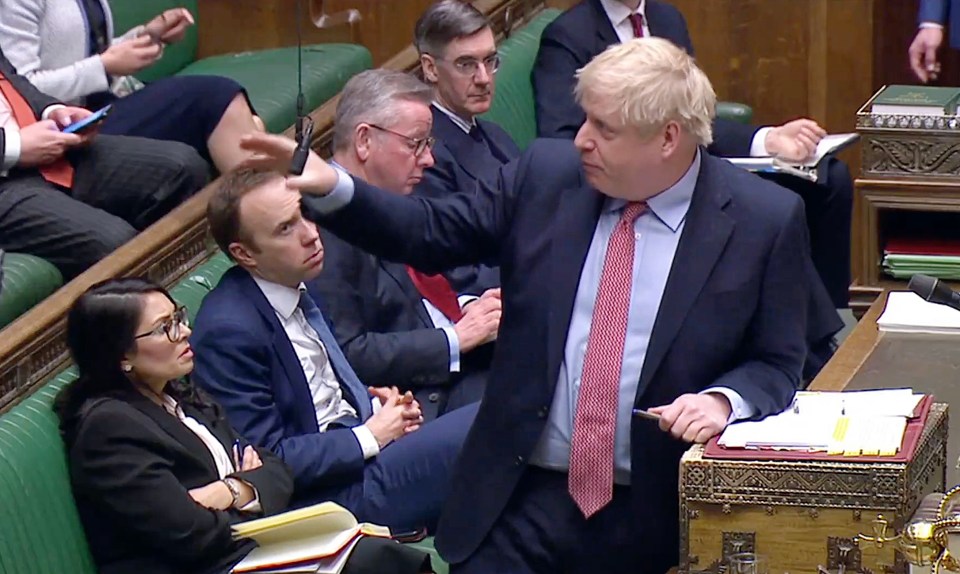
(848, 423)
(804, 169)
(907, 312)
(903, 258)
(315, 539)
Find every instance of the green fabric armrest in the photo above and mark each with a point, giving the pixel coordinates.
(735, 112)
(27, 280)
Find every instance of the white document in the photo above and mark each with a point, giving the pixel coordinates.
(907, 312)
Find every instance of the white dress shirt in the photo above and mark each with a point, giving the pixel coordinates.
(619, 16)
(324, 387)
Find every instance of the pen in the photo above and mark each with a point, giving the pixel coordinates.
(645, 414)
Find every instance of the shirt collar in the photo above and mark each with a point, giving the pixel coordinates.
(457, 120)
(283, 299)
(617, 11)
(671, 205)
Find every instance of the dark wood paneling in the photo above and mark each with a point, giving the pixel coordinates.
(894, 29)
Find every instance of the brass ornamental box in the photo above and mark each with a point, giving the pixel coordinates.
(803, 514)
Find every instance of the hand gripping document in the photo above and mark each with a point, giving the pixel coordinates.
(805, 170)
(315, 539)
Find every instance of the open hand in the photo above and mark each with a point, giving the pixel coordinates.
(273, 153)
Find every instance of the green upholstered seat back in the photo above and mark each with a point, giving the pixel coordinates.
(27, 280)
(130, 13)
(270, 77)
(512, 105)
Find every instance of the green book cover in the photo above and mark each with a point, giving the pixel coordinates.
(920, 96)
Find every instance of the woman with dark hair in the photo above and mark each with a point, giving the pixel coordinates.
(158, 474)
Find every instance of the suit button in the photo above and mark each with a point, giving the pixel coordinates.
(543, 412)
(519, 460)
(433, 397)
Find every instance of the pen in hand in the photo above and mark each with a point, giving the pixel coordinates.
(645, 414)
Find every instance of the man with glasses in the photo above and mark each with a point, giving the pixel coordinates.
(458, 58)
(396, 325)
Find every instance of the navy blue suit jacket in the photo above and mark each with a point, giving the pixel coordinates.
(733, 312)
(576, 37)
(459, 162)
(946, 12)
(245, 360)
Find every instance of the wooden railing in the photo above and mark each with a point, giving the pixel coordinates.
(32, 348)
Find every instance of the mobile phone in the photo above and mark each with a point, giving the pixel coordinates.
(89, 122)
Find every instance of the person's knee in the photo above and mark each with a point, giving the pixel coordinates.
(105, 239)
(187, 166)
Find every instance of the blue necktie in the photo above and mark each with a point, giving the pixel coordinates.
(347, 377)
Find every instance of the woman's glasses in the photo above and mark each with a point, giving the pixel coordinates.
(170, 327)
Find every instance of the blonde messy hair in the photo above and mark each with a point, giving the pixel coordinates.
(650, 82)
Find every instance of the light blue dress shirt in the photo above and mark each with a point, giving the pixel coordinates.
(657, 234)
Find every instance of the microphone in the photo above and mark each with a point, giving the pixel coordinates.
(304, 126)
(934, 290)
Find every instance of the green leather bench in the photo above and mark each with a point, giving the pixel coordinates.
(269, 76)
(513, 107)
(27, 280)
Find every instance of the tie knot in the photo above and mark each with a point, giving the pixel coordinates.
(636, 22)
(632, 211)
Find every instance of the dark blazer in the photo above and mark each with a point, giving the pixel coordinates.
(131, 464)
(945, 12)
(245, 360)
(576, 37)
(459, 162)
(733, 312)
(37, 99)
(386, 334)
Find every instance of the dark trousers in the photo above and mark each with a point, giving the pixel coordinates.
(541, 531)
(405, 486)
(121, 185)
(829, 208)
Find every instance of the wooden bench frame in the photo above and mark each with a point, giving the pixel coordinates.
(33, 348)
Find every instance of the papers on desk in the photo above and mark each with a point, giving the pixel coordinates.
(867, 423)
(806, 169)
(907, 312)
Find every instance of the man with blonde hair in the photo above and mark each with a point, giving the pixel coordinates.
(643, 280)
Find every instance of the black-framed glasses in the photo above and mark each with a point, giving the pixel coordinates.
(417, 145)
(470, 66)
(170, 327)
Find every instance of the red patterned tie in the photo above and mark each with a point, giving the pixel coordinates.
(636, 21)
(591, 451)
(59, 172)
(437, 290)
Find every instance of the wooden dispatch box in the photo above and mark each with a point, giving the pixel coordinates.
(801, 514)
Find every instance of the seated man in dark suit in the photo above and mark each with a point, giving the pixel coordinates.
(588, 28)
(640, 273)
(458, 58)
(396, 325)
(264, 351)
(72, 199)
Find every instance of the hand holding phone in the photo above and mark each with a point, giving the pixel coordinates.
(88, 123)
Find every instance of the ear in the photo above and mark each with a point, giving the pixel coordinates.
(429, 67)
(671, 138)
(362, 142)
(242, 254)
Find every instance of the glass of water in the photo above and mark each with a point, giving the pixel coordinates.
(747, 563)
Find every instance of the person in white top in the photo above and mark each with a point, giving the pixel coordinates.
(265, 352)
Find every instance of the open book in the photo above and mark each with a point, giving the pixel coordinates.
(316, 539)
(806, 169)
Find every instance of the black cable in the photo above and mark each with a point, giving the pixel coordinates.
(304, 126)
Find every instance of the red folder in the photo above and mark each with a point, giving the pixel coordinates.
(922, 246)
(911, 438)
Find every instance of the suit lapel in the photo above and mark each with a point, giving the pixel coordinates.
(606, 35)
(571, 234)
(705, 235)
(398, 273)
(470, 155)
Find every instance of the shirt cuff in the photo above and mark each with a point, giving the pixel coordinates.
(253, 505)
(11, 149)
(341, 195)
(453, 342)
(758, 147)
(931, 25)
(368, 442)
(463, 300)
(739, 408)
(49, 110)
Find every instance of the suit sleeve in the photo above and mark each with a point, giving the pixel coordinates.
(731, 139)
(380, 358)
(20, 38)
(937, 11)
(430, 234)
(115, 461)
(37, 99)
(233, 367)
(774, 348)
(553, 77)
